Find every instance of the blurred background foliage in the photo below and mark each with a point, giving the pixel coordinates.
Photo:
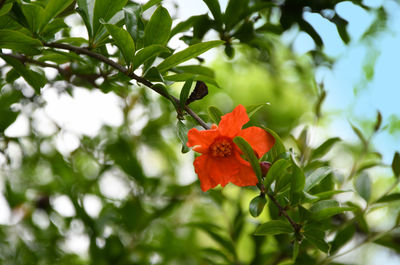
(125, 194)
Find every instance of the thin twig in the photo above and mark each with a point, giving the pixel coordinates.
(282, 211)
(139, 79)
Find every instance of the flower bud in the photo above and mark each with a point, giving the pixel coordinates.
(265, 166)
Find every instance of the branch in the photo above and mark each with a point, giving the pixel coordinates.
(100, 57)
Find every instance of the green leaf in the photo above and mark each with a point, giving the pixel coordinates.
(234, 12)
(124, 42)
(316, 177)
(328, 194)
(342, 237)
(278, 148)
(182, 135)
(277, 170)
(33, 13)
(154, 75)
(249, 154)
(316, 237)
(324, 148)
(378, 121)
(19, 42)
(359, 134)
(52, 9)
(215, 9)
(298, 179)
(389, 198)
(196, 69)
(33, 78)
(215, 114)
(134, 24)
(325, 209)
(396, 164)
(363, 186)
(6, 8)
(149, 4)
(185, 76)
(158, 28)
(296, 248)
(8, 116)
(85, 10)
(105, 9)
(251, 110)
(188, 53)
(183, 96)
(147, 53)
(274, 227)
(257, 205)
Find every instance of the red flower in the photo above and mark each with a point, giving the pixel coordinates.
(220, 161)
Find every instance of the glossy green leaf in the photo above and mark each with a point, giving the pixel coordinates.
(363, 186)
(182, 135)
(277, 149)
(52, 9)
(249, 154)
(124, 42)
(389, 198)
(324, 147)
(396, 165)
(147, 53)
(251, 110)
(325, 209)
(315, 177)
(158, 28)
(188, 53)
(196, 69)
(214, 7)
(105, 10)
(274, 227)
(316, 236)
(154, 75)
(6, 8)
(150, 3)
(85, 10)
(134, 24)
(257, 205)
(277, 171)
(33, 13)
(215, 114)
(185, 91)
(185, 76)
(19, 42)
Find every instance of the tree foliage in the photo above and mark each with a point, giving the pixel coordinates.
(295, 215)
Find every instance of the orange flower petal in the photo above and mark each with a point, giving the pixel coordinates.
(246, 175)
(259, 139)
(213, 171)
(201, 140)
(232, 122)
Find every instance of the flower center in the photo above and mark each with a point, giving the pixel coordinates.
(221, 148)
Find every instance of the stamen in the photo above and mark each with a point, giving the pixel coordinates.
(221, 148)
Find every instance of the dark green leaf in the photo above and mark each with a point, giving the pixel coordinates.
(234, 12)
(316, 237)
(215, 114)
(134, 24)
(196, 69)
(277, 171)
(274, 227)
(215, 9)
(389, 198)
(325, 209)
(249, 154)
(324, 147)
(158, 28)
(389, 241)
(363, 186)
(277, 149)
(182, 135)
(33, 13)
(396, 164)
(251, 110)
(296, 248)
(105, 9)
(316, 177)
(378, 122)
(188, 53)
(183, 96)
(5, 9)
(342, 237)
(85, 10)
(8, 116)
(257, 205)
(52, 9)
(359, 134)
(147, 53)
(19, 42)
(185, 76)
(154, 75)
(124, 42)
(298, 179)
